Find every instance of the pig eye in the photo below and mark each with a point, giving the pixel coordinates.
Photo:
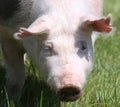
(81, 46)
(48, 49)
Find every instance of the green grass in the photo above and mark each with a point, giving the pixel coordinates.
(103, 84)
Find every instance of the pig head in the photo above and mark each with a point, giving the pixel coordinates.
(62, 49)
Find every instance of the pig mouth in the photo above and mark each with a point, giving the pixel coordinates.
(69, 93)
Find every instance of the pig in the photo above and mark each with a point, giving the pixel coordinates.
(58, 35)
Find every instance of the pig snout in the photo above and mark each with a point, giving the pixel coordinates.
(68, 86)
(69, 93)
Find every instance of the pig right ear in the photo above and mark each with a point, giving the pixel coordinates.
(99, 25)
(36, 28)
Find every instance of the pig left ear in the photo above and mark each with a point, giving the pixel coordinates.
(36, 28)
(99, 25)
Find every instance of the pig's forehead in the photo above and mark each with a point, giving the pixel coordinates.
(70, 36)
(66, 39)
(61, 39)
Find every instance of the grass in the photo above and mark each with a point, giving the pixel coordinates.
(103, 84)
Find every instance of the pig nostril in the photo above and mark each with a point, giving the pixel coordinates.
(70, 93)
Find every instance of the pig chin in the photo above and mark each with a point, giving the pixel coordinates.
(68, 86)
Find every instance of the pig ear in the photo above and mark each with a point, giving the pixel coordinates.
(99, 25)
(36, 28)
